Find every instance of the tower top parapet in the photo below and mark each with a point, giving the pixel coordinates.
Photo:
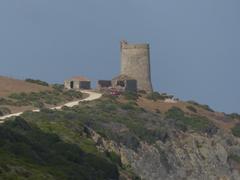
(125, 45)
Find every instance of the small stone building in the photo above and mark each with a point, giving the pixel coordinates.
(124, 83)
(78, 82)
(104, 84)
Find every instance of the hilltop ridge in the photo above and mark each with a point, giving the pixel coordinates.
(22, 95)
(10, 85)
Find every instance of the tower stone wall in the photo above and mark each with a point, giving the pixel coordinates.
(135, 62)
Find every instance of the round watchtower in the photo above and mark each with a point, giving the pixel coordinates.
(135, 62)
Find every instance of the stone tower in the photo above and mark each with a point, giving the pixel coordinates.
(135, 63)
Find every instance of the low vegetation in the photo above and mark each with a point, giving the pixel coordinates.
(29, 153)
(58, 87)
(114, 158)
(205, 107)
(234, 116)
(40, 99)
(124, 123)
(196, 123)
(130, 95)
(4, 111)
(236, 130)
(234, 157)
(59, 145)
(6, 102)
(39, 82)
(157, 96)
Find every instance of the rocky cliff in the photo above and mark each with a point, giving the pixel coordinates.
(139, 138)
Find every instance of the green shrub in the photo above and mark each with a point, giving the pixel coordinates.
(38, 104)
(196, 123)
(4, 111)
(203, 106)
(234, 116)
(53, 100)
(154, 96)
(130, 95)
(73, 94)
(39, 82)
(25, 146)
(128, 106)
(157, 96)
(58, 87)
(39, 99)
(18, 96)
(234, 157)
(116, 159)
(153, 135)
(236, 130)
(4, 101)
(108, 107)
(175, 113)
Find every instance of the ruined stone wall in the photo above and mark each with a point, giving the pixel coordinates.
(77, 84)
(67, 84)
(84, 85)
(135, 62)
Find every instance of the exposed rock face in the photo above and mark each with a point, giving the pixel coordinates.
(184, 156)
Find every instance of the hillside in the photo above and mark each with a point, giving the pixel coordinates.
(10, 85)
(129, 137)
(221, 120)
(18, 95)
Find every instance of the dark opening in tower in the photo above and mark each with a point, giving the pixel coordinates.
(71, 84)
(121, 83)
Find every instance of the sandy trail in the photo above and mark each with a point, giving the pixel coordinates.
(92, 96)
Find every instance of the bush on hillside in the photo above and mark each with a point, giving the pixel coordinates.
(58, 87)
(234, 116)
(36, 81)
(38, 99)
(130, 95)
(18, 96)
(236, 130)
(234, 157)
(128, 106)
(157, 96)
(109, 107)
(4, 101)
(4, 111)
(30, 153)
(114, 158)
(203, 106)
(73, 94)
(196, 123)
(175, 113)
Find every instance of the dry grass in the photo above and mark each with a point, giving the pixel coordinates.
(9, 86)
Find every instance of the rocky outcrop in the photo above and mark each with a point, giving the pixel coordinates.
(190, 156)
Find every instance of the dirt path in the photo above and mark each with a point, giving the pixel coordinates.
(92, 96)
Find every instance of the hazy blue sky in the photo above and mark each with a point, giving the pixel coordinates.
(195, 44)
